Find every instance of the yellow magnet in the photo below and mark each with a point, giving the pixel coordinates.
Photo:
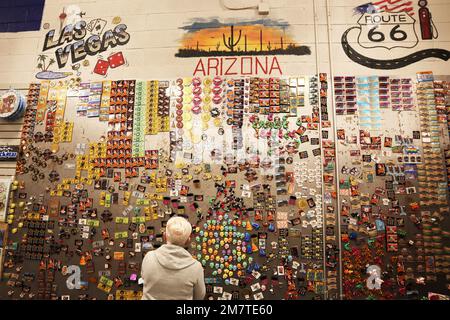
(217, 122)
(206, 117)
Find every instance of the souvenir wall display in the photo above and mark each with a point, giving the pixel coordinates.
(294, 191)
(383, 208)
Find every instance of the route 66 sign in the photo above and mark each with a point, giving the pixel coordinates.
(387, 30)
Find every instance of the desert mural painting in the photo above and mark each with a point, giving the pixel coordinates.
(255, 37)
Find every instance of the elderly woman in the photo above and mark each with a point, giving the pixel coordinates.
(170, 272)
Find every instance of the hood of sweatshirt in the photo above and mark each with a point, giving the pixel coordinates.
(173, 257)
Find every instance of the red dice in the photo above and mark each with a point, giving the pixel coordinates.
(101, 67)
(116, 60)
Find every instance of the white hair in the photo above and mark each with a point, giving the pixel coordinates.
(178, 230)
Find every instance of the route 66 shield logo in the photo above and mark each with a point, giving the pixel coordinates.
(387, 30)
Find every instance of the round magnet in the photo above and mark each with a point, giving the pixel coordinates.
(197, 101)
(215, 112)
(196, 109)
(196, 138)
(196, 82)
(197, 91)
(206, 107)
(206, 117)
(217, 99)
(187, 81)
(187, 117)
(207, 99)
(217, 81)
(217, 91)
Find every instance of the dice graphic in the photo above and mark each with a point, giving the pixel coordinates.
(101, 67)
(116, 60)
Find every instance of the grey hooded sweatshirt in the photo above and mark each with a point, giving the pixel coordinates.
(170, 273)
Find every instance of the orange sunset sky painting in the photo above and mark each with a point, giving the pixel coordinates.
(212, 38)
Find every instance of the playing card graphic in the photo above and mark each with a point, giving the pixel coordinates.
(96, 26)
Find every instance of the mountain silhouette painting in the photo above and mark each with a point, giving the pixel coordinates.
(250, 38)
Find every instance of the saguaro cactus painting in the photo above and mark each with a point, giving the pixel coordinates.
(254, 37)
